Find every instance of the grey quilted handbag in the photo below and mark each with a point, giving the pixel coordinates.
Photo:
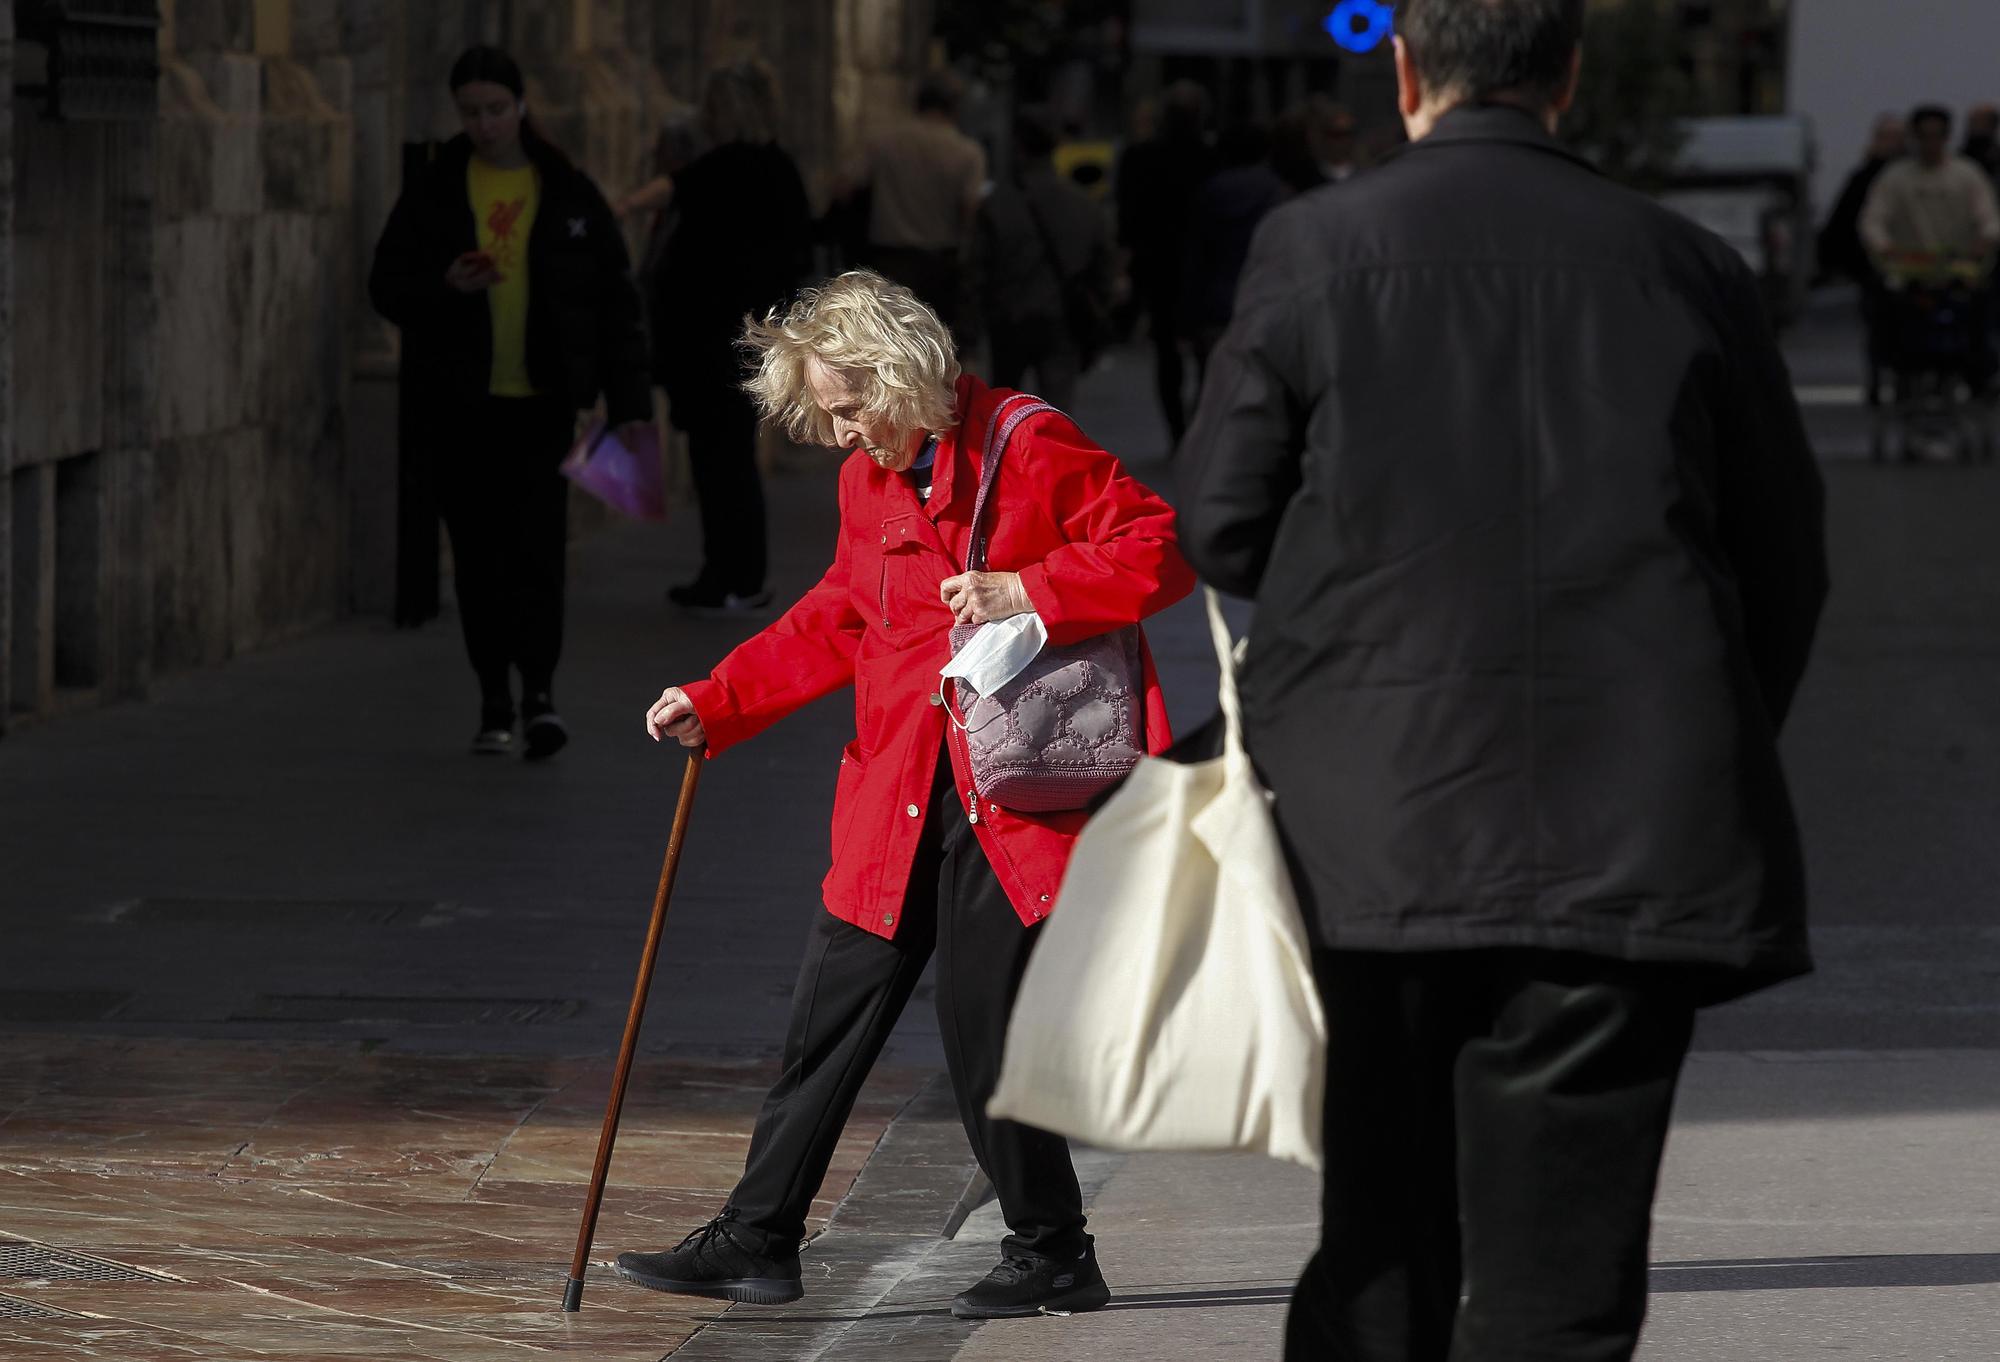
(1071, 725)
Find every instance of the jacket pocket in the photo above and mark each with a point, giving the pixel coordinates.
(846, 795)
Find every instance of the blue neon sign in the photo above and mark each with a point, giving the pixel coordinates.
(1361, 25)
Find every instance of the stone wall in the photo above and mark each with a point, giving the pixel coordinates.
(255, 288)
(197, 449)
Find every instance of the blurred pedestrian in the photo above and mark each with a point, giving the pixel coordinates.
(1332, 130)
(923, 178)
(742, 243)
(1841, 252)
(1982, 139)
(505, 270)
(1932, 220)
(1224, 218)
(679, 141)
(1044, 268)
(1158, 180)
(1931, 202)
(1508, 456)
(922, 865)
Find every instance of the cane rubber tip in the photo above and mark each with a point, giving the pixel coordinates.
(573, 1295)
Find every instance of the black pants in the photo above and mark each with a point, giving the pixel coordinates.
(506, 507)
(1163, 323)
(1042, 344)
(851, 989)
(722, 455)
(1494, 1125)
(936, 276)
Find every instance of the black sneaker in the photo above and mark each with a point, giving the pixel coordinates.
(1029, 1284)
(723, 1260)
(544, 732)
(709, 601)
(495, 737)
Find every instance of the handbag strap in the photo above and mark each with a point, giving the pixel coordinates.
(1225, 661)
(999, 431)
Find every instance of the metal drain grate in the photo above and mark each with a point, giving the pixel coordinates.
(13, 1307)
(407, 1011)
(26, 1259)
(289, 914)
(59, 1004)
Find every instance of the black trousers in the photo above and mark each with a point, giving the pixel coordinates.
(1042, 344)
(1494, 1126)
(506, 507)
(1163, 324)
(722, 455)
(937, 277)
(853, 986)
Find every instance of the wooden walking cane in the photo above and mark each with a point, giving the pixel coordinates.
(573, 1290)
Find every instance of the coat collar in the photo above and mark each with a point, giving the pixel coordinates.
(1505, 124)
(956, 462)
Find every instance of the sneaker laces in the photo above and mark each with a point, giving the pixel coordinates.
(716, 1228)
(1015, 1267)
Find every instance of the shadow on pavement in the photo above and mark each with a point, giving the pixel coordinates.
(1801, 1274)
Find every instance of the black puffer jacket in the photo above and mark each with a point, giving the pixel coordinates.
(1511, 463)
(585, 336)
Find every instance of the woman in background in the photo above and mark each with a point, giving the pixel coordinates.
(505, 270)
(742, 242)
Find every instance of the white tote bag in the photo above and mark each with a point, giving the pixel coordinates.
(1170, 1002)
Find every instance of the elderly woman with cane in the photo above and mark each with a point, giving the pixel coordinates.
(925, 858)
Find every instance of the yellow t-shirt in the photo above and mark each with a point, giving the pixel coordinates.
(503, 206)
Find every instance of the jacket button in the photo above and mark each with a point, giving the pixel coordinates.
(888, 919)
(913, 811)
(936, 699)
(1045, 898)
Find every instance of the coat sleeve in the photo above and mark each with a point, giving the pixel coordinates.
(621, 325)
(1240, 463)
(806, 653)
(1122, 561)
(404, 287)
(1770, 503)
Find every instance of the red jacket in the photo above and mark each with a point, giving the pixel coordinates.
(1095, 549)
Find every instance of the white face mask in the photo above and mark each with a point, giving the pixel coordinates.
(998, 652)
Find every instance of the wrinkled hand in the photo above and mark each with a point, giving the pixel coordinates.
(982, 597)
(672, 715)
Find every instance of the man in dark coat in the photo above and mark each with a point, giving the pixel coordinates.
(1510, 461)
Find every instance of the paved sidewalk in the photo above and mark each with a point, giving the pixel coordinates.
(287, 977)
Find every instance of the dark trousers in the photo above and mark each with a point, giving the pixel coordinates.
(506, 507)
(935, 276)
(1042, 344)
(1163, 325)
(1494, 1125)
(722, 455)
(851, 989)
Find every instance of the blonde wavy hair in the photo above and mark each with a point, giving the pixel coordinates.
(863, 327)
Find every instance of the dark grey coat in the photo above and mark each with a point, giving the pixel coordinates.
(1511, 463)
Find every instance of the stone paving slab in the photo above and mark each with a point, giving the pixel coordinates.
(291, 1202)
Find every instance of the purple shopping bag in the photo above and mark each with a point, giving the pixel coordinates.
(625, 478)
